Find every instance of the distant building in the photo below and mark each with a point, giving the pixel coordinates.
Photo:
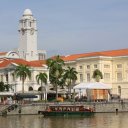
(113, 65)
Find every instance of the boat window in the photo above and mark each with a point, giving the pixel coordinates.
(56, 109)
(64, 109)
(81, 108)
(60, 108)
(68, 109)
(52, 108)
(72, 109)
(77, 109)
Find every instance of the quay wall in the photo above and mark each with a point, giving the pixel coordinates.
(100, 107)
(110, 107)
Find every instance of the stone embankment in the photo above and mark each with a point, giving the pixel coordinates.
(110, 107)
(99, 107)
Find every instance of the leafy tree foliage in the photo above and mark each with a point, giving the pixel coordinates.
(97, 75)
(23, 71)
(70, 77)
(56, 70)
(4, 87)
(42, 78)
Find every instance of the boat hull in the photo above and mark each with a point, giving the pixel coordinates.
(53, 113)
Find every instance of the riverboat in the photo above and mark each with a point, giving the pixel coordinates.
(67, 110)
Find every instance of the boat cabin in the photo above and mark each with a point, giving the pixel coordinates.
(68, 108)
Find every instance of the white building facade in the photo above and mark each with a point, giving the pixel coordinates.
(8, 76)
(113, 65)
(28, 38)
(26, 54)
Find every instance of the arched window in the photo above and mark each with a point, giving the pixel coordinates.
(2, 77)
(13, 76)
(6, 75)
(119, 90)
(31, 53)
(30, 24)
(40, 89)
(30, 89)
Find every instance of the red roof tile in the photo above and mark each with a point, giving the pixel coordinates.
(3, 53)
(111, 53)
(37, 63)
(6, 62)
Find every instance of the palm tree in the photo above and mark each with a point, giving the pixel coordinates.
(2, 88)
(55, 72)
(42, 78)
(70, 76)
(97, 75)
(23, 72)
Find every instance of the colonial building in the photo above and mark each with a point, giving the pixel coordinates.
(7, 75)
(113, 65)
(26, 54)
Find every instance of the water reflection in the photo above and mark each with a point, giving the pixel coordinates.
(101, 120)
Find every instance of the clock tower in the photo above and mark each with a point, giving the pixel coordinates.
(28, 36)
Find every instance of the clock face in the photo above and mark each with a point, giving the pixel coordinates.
(32, 31)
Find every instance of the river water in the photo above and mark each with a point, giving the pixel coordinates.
(99, 120)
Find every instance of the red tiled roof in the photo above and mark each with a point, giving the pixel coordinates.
(3, 53)
(6, 62)
(37, 63)
(111, 53)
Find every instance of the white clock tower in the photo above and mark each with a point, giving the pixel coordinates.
(28, 36)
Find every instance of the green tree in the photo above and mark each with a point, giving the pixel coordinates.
(23, 71)
(42, 78)
(7, 87)
(70, 77)
(4, 87)
(97, 75)
(55, 67)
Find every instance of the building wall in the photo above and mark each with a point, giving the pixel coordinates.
(114, 70)
(16, 83)
(28, 38)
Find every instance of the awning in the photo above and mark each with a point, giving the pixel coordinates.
(6, 93)
(21, 96)
(95, 85)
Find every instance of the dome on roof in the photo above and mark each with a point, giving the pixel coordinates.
(27, 12)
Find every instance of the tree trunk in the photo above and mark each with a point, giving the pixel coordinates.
(69, 86)
(22, 85)
(97, 78)
(45, 95)
(56, 92)
(42, 91)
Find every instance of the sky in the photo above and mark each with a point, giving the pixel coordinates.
(68, 26)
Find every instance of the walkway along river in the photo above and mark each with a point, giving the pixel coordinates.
(33, 108)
